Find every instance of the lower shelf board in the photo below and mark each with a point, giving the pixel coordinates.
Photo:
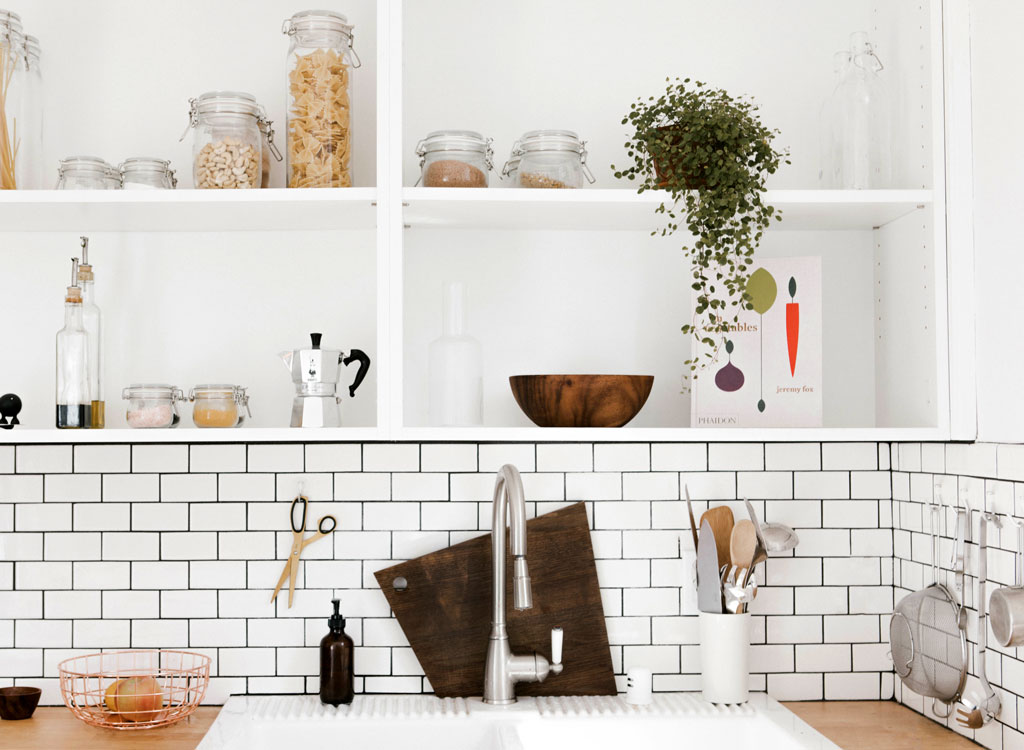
(19, 436)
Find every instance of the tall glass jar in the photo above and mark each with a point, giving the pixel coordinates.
(12, 83)
(83, 173)
(227, 146)
(320, 57)
(861, 140)
(146, 173)
(30, 129)
(455, 158)
(551, 159)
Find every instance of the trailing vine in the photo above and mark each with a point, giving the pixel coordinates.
(711, 153)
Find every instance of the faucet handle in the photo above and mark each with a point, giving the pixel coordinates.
(556, 650)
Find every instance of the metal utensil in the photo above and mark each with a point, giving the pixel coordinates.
(761, 550)
(973, 711)
(721, 519)
(1006, 605)
(778, 537)
(693, 523)
(928, 638)
(709, 586)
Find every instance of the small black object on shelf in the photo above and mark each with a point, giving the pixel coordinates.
(10, 407)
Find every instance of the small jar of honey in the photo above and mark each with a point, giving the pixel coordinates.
(218, 405)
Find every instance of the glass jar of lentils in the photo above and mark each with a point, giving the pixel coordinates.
(455, 158)
(551, 159)
(227, 147)
(320, 59)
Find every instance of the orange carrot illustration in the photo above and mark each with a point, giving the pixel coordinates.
(792, 326)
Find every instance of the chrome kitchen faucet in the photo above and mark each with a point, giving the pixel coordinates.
(504, 669)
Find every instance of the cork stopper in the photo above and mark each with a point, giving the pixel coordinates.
(74, 293)
(84, 269)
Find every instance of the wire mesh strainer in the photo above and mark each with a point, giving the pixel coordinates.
(927, 634)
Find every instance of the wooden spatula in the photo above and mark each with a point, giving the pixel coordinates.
(742, 547)
(720, 519)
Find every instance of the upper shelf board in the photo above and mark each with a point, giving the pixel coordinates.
(621, 209)
(187, 210)
(185, 434)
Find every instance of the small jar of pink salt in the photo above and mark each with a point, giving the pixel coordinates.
(152, 405)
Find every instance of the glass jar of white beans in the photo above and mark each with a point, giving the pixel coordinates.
(227, 147)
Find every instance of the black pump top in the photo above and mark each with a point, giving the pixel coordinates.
(336, 621)
(315, 338)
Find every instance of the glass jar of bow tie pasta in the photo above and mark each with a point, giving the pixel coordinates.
(320, 58)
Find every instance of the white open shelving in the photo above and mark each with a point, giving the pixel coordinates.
(274, 209)
(623, 209)
(379, 248)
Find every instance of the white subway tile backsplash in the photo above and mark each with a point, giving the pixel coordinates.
(821, 485)
(679, 457)
(188, 545)
(42, 576)
(245, 488)
(102, 459)
(185, 550)
(443, 457)
(188, 488)
(736, 457)
(40, 459)
(106, 576)
(765, 485)
(147, 574)
(419, 487)
(792, 456)
(131, 488)
(159, 458)
(622, 457)
(216, 458)
(23, 545)
(650, 486)
(102, 517)
(650, 544)
(593, 486)
(565, 457)
(72, 488)
(71, 546)
(105, 633)
(160, 517)
(40, 517)
(187, 604)
(391, 457)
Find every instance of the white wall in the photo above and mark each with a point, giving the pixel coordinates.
(998, 109)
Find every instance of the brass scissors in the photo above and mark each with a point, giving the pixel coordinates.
(300, 541)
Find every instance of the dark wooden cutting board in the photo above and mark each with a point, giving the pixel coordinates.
(445, 610)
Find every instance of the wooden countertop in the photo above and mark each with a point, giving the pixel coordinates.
(853, 725)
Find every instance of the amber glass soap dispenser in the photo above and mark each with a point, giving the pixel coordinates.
(336, 661)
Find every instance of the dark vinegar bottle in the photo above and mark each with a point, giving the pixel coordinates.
(336, 675)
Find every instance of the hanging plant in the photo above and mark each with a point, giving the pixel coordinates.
(712, 154)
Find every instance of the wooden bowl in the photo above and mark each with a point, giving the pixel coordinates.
(581, 400)
(18, 702)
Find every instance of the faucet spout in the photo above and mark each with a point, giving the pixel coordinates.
(503, 669)
(509, 501)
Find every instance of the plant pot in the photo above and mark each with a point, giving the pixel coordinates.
(664, 170)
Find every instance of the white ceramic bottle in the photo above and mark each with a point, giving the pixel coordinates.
(456, 366)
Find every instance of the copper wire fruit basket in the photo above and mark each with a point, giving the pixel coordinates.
(136, 689)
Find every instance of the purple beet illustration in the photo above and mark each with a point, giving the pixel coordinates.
(729, 378)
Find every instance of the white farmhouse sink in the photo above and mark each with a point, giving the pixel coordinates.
(380, 722)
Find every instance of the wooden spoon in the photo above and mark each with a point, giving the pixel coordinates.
(721, 521)
(742, 547)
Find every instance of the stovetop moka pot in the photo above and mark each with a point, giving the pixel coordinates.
(315, 373)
